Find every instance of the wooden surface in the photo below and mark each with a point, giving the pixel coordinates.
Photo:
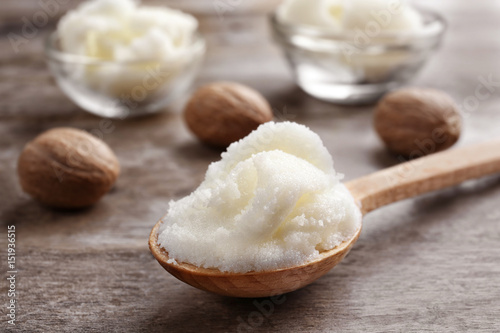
(426, 264)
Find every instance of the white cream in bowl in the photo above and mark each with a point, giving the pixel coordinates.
(129, 51)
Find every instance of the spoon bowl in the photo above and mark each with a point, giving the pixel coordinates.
(381, 188)
(251, 284)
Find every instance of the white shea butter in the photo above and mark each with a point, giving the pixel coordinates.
(122, 30)
(364, 21)
(349, 15)
(272, 201)
(145, 46)
(322, 13)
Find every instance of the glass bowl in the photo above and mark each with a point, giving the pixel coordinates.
(356, 67)
(115, 89)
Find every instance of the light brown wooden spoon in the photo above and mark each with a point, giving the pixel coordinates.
(381, 188)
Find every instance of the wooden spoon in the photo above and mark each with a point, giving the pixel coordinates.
(381, 188)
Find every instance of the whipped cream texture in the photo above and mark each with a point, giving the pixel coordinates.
(272, 201)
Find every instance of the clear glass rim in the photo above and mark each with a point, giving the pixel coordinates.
(434, 28)
(53, 52)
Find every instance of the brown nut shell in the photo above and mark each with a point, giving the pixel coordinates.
(223, 112)
(67, 168)
(414, 122)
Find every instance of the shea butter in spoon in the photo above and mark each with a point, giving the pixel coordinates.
(274, 200)
(292, 210)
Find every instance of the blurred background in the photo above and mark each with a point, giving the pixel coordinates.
(424, 264)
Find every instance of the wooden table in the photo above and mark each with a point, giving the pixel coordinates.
(428, 264)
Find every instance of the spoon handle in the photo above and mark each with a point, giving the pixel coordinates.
(426, 174)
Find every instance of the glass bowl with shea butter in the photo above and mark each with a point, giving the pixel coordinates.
(117, 59)
(353, 52)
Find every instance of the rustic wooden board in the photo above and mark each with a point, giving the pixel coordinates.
(428, 264)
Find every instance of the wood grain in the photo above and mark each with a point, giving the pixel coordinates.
(430, 173)
(428, 264)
